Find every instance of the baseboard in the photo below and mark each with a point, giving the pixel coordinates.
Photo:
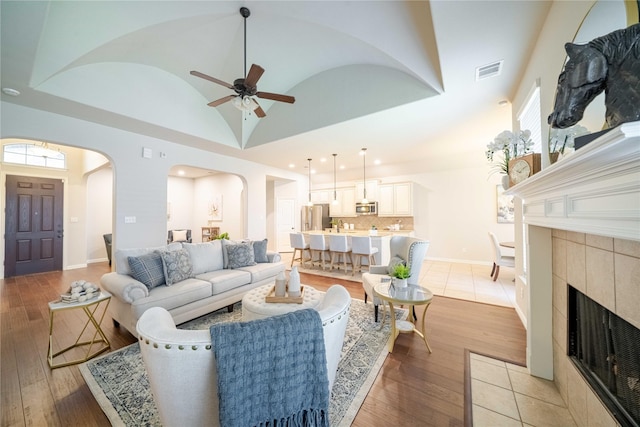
(459, 261)
(521, 315)
(75, 267)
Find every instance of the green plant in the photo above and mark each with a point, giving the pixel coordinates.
(222, 236)
(401, 271)
(509, 146)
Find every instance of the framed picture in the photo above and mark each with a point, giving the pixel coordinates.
(504, 205)
(215, 208)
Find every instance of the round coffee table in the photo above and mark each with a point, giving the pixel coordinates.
(254, 305)
(410, 295)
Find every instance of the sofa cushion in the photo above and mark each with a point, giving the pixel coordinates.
(205, 256)
(263, 270)
(177, 266)
(240, 255)
(224, 280)
(260, 250)
(170, 297)
(122, 255)
(179, 235)
(148, 269)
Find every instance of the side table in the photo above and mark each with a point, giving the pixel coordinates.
(89, 307)
(410, 295)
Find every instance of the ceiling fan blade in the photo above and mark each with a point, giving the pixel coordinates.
(221, 101)
(211, 79)
(259, 111)
(255, 72)
(276, 97)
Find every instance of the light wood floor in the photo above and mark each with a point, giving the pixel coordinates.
(413, 387)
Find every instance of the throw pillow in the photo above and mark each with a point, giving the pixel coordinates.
(240, 255)
(205, 257)
(260, 250)
(225, 255)
(147, 269)
(395, 260)
(177, 266)
(179, 236)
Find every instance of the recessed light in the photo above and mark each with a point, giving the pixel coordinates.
(291, 165)
(10, 92)
(377, 162)
(341, 166)
(323, 159)
(180, 172)
(503, 103)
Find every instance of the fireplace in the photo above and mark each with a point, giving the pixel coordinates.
(581, 220)
(606, 351)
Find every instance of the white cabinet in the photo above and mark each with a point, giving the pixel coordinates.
(346, 205)
(321, 196)
(395, 199)
(372, 190)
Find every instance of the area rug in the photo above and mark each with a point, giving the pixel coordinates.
(119, 382)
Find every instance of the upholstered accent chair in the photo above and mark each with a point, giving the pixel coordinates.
(412, 251)
(181, 365)
(499, 259)
(179, 236)
(107, 243)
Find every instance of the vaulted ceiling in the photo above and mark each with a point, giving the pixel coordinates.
(397, 77)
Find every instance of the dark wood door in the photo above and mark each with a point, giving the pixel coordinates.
(34, 233)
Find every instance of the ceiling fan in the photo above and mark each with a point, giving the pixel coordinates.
(245, 88)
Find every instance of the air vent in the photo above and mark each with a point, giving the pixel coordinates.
(490, 70)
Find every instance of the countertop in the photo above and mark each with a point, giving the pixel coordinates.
(381, 233)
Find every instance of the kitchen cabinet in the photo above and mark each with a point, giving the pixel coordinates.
(395, 199)
(372, 190)
(321, 196)
(346, 206)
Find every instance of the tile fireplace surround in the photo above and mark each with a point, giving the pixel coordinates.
(582, 217)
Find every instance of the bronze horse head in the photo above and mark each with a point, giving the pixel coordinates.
(610, 63)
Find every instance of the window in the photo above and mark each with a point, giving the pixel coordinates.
(529, 117)
(34, 155)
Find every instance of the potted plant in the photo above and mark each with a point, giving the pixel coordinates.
(400, 275)
(561, 141)
(507, 145)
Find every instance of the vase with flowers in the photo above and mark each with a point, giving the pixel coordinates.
(505, 147)
(561, 141)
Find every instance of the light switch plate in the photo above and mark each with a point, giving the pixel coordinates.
(147, 153)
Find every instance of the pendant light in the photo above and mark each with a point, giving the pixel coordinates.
(364, 175)
(335, 193)
(309, 203)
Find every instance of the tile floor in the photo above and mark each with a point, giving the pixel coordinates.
(506, 395)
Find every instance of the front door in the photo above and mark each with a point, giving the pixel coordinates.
(33, 227)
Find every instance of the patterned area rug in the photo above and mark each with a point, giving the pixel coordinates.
(120, 385)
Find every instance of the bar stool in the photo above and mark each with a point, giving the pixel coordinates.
(361, 248)
(318, 245)
(340, 246)
(298, 244)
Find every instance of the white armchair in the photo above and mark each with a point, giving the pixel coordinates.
(412, 250)
(181, 366)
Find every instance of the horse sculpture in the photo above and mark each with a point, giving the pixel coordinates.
(610, 63)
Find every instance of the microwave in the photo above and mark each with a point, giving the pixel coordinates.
(370, 208)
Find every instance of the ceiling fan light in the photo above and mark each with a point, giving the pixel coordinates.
(245, 103)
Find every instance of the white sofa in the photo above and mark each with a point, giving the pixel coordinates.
(211, 285)
(181, 365)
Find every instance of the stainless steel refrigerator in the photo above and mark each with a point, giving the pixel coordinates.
(315, 217)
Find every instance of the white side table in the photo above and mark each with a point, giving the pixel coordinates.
(89, 307)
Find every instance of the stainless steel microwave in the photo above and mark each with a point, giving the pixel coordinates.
(370, 208)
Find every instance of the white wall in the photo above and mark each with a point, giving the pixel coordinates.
(230, 187)
(99, 191)
(180, 193)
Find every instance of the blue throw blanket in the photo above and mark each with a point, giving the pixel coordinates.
(272, 372)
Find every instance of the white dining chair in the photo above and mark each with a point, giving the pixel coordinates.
(361, 248)
(299, 244)
(319, 247)
(340, 248)
(499, 259)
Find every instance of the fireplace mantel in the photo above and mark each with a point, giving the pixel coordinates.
(595, 190)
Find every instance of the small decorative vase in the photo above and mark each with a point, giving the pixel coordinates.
(505, 182)
(399, 283)
(294, 282)
(554, 157)
(281, 285)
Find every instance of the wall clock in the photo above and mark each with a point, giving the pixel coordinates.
(523, 167)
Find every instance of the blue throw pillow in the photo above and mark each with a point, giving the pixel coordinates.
(240, 255)
(177, 266)
(147, 269)
(260, 250)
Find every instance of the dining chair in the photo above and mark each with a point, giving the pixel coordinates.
(299, 244)
(319, 246)
(361, 248)
(340, 247)
(499, 259)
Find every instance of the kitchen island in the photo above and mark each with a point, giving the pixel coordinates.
(381, 241)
